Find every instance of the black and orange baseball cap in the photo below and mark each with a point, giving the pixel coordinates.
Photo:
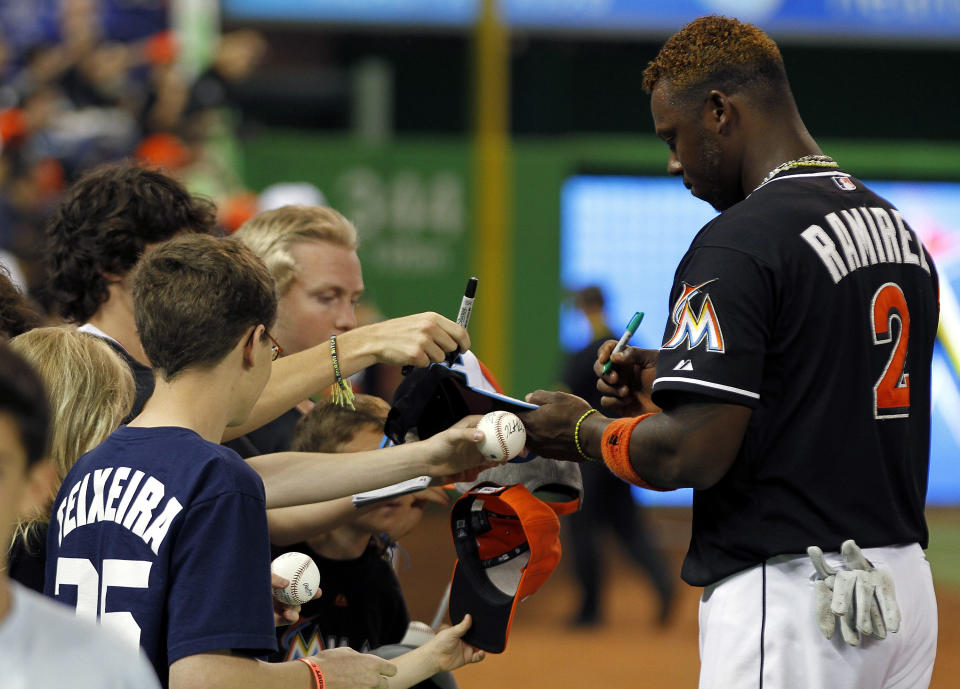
(431, 399)
(508, 544)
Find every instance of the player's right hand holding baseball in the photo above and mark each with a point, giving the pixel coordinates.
(344, 668)
(626, 387)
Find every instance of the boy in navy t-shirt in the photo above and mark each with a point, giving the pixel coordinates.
(160, 532)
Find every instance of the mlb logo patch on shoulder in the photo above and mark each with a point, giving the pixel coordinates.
(844, 183)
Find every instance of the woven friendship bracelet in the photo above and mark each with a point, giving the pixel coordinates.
(315, 669)
(342, 393)
(576, 435)
(615, 447)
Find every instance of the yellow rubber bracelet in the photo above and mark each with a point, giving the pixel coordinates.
(576, 435)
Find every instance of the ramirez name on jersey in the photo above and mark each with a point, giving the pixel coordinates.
(864, 237)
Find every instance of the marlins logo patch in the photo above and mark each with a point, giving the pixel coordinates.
(696, 320)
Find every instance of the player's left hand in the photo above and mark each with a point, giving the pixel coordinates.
(282, 613)
(550, 427)
(448, 649)
(862, 598)
(626, 388)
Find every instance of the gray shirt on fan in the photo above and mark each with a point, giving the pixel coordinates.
(44, 644)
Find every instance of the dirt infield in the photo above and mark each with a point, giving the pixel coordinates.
(629, 651)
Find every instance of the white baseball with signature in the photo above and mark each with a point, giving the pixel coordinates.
(504, 435)
(302, 573)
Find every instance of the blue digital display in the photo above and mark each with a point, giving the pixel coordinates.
(651, 222)
(414, 12)
(839, 19)
(816, 18)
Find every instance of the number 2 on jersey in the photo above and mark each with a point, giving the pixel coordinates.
(891, 393)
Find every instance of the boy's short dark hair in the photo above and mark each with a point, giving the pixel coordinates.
(328, 426)
(24, 399)
(195, 296)
(103, 224)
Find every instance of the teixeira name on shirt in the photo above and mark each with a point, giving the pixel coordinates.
(134, 504)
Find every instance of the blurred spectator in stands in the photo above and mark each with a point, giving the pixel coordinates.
(8, 94)
(100, 78)
(29, 189)
(167, 89)
(87, 82)
(238, 54)
(212, 122)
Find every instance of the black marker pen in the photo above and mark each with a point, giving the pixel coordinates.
(463, 317)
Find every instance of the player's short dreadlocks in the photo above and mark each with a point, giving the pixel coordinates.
(720, 52)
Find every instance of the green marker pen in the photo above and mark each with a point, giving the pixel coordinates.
(631, 329)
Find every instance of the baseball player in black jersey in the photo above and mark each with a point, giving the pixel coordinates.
(791, 390)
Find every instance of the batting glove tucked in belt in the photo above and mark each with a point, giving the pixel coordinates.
(861, 598)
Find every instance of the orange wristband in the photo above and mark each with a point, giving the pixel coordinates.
(315, 669)
(615, 447)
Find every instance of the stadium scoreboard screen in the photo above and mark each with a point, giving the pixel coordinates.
(814, 19)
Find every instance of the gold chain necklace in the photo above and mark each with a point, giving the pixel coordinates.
(815, 160)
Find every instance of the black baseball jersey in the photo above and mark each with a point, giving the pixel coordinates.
(361, 606)
(814, 303)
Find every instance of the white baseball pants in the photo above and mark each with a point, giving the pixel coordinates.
(758, 631)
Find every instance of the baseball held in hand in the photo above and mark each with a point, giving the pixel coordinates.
(302, 573)
(504, 436)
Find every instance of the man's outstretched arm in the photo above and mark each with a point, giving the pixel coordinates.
(416, 340)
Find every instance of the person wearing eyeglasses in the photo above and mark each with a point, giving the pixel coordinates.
(160, 532)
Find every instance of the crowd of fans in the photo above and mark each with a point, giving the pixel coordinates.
(177, 347)
(77, 97)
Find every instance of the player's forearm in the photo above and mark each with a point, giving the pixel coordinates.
(289, 525)
(301, 478)
(689, 446)
(225, 671)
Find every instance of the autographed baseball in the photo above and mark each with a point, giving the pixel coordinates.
(302, 573)
(503, 435)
